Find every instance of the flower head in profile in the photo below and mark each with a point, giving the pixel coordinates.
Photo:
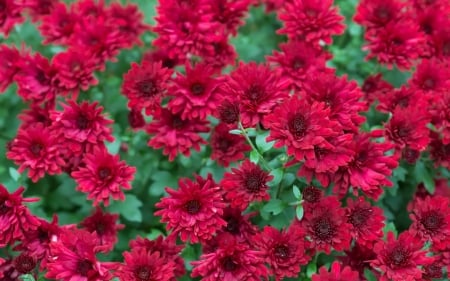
(103, 176)
(337, 273)
(193, 211)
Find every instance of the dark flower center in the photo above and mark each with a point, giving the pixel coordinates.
(368, 87)
(43, 235)
(142, 273)
(147, 87)
(311, 12)
(83, 122)
(410, 155)
(192, 207)
(320, 152)
(254, 93)
(298, 63)
(228, 264)
(397, 41)
(281, 251)
(223, 144)
(197, 89)
(323, 228)
(177, 122)
(361, 158)
(311, 194)
(403, 102)
(402, 132)
(83, 267)
(104, 173)
(228, 112)
(3, 208)
(382, 13)
(399, 256)
(24, 263)
(428, 84)
(40, 77)
(254, 182)
(359, 217)
(432, 221)
(36, 148)
(232, 225)
(297, 126)
(433, 271)
(446, 48)
(100, 228)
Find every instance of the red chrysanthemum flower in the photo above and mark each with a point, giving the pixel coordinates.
(136, 119)
(227, 148)
(15, 218)
(73, 258)
(144, 85)
(326, 226)
(175, 135)
(312, 194)
(82, 125)
(34, 79)
(258, 89)
(58, 26)
(337, 273)
(238, 224)
(220, 53)
(440, 112)
(399, 259)
(375, 87)
(38, 8)
(194, 95)
(167, 249)
(431, 220)
(342, 97)
(75, 71)
(38, 150)
(104, 175)
(284, 251)
(434, 271)
(410, 155)
(142, 264)
(441, 41)
(297, 59)
(378, 13)
(10, 15)
(10, 57)
(230, 13)
(369, 170)
(193, 211)
(359, 258)
(401, 97)
(399, 42)
(231, 261)
(246, 184)
(311, 20)
(439, 152)
(161, 56)
(35, 114)
(432, 77)
(301, 126)
(408, 127)
(25, 263)
(104, 226)
(228, 111)
(366, 221)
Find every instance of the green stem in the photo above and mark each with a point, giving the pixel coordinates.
(263, 161)
(279, 184)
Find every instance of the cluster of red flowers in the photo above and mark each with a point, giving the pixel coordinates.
(182, 87)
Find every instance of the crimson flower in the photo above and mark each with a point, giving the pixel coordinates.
(25, 263)
(337, 273)
(227, 148)
(230, 13)
(10, 15)
(378, 13)
(311, 20)
(402, 97)
(432, 76)
(193, 211)
(239, 224)
(58, 26)
(439, 151)
(103, 175)
(10, 57)
(359, 258)
(246, 184)
(37, 149)
(35, 114)
(375, 87)
(136, 118)
(399, 259)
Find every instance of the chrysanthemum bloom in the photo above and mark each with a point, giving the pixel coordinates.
(105, 226)
(142, 264)
(220, 52)
(399, 42)
(38, 8)
(10, 57)
(283, 250)
(258, 89)
(75, 71)
(35, 114)
(342, 97)
(194, 94)
(228, 111)
(58, 26)
(297, 59)
(15, 218)
(439, 152)
(10, 15)
(433, 271)
(337, 273)
(311, 20)
(175, 135)
(312, 194)
(162, 56)
(25, 263)
(301, 126)
(326, 226)
(193, 211)
(401, 97)
(246, 184)
(370, 169)
(230, 14)
(378, 13)
(103, 175)
(227, 148)
(238, 224)
(73, 258)
(374, 86)
(82, 124)
(399, 259)
(408, 127)
(231, 261)
(410, 155)
(441, 42)
(358, 258)
(167, 249)
(38, 150)
(144, 85)
(128, 20)
(366, 221)
(440, 112)
(431, 220)
(34, 79)
(431, 76)
(136, 118)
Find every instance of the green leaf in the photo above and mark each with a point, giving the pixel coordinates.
(262, 144)
(311, 269)
(277, 176)
(161, 179)
(275, 206)
(390, 227)
(113, 147)
(424, 175)
(369, 275)
(15, 175)
(400, 173)
(27, 277)
(297, 193)
(235, 132)
(129, 209)
(299, 212)
(254, 156)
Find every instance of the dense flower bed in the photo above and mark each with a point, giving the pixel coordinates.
(225, 140)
